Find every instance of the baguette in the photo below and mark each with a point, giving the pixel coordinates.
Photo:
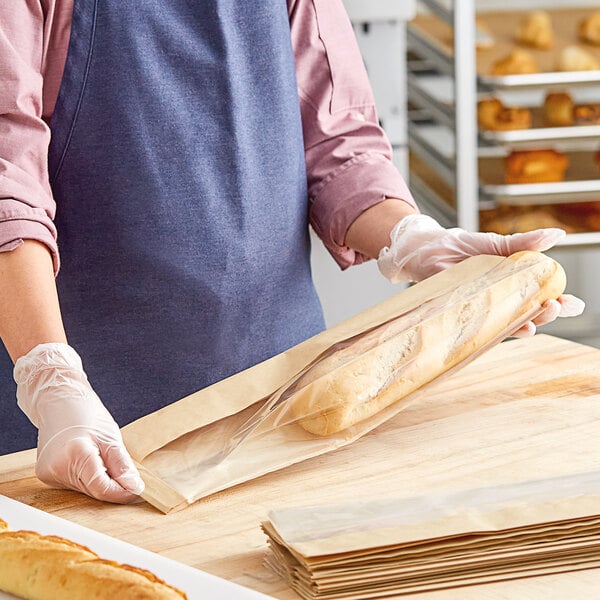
(46, 567)
(369, 372)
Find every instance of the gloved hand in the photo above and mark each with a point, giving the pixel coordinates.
(79, 444)
(420, 247)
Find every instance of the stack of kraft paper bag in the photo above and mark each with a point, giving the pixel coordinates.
(391, 547)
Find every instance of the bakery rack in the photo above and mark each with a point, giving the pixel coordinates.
(454, 172)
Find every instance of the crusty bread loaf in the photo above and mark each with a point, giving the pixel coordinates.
(369, 372)
(43, 567)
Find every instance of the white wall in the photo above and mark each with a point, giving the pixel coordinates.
(344, 293)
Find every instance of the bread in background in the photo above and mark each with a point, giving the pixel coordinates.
(535, 166)
(519, 219)
(535, 30)
(512, 117)
(574, 58)
(587, 114)
(591, 216)
(487, 110)
(578, 217)
(517, 62)
(492, 115)
(559, 109)
(589, 29)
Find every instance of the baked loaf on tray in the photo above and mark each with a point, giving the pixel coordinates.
(494, 116)
(517, 62)
(535, 166)
(376, 369)
(535, 30)
(46, 567)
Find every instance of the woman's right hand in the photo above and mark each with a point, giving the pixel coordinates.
(79, 444)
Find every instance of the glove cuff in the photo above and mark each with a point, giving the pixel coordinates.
(392, 259)
(29, 368)
(45, 356)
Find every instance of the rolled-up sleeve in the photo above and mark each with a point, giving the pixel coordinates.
(27, 207)
(348, 156)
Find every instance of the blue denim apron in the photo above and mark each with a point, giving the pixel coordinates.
(178, 169)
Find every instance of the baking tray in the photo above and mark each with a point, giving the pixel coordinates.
(503, 25)
(582, 182)
(580, 220)
(427, 90)
(195, 583)
(539, 132)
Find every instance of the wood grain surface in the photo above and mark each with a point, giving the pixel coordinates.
(527, 409)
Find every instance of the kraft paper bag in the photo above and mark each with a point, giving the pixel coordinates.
(250, 423)
(386, 547)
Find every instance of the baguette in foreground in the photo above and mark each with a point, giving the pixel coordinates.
(45, 567)
(380, 367)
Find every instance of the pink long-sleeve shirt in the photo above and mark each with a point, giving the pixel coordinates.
(348, 156)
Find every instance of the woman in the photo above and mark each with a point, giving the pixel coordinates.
(188, 147)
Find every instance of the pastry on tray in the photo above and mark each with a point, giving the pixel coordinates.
(574, 58)
(494, 116)
(487, 110)
(573, 217)
(589, 29)
(559, 109)
(519, 219)
(535, 30)
(591, 217)
(517, 62)
(46, 567)
(585, 216)
(535, 166)
(587, 114)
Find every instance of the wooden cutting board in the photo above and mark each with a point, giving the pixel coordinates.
(527, 409)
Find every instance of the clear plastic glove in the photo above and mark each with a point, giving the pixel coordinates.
(79, 444)
(420, 247)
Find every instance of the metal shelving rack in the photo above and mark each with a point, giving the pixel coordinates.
(459, 167)
(457, 161)
(454, 159)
